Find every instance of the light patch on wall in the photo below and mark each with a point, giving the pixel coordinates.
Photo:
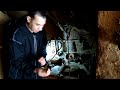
(3, 18)
(17, 14)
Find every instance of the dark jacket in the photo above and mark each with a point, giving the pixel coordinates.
(23, 60)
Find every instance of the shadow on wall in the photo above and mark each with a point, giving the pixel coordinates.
(1, 71)
(5, 16)
(3, 19)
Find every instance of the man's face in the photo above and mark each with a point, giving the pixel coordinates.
(36, 24)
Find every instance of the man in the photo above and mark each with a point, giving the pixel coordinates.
(28, 48)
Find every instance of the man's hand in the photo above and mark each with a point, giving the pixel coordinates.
(41, 72)
(42, 61)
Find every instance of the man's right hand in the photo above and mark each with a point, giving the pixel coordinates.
(41, 72)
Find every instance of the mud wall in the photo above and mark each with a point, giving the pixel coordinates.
(108, 61)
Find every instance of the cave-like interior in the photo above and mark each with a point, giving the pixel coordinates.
(71, 47)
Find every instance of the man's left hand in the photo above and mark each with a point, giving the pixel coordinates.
(42, 61)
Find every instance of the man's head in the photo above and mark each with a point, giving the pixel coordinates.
(36, 20)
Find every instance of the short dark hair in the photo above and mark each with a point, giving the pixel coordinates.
(41, 13)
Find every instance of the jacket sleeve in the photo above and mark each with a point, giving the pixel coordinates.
(18, 60)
